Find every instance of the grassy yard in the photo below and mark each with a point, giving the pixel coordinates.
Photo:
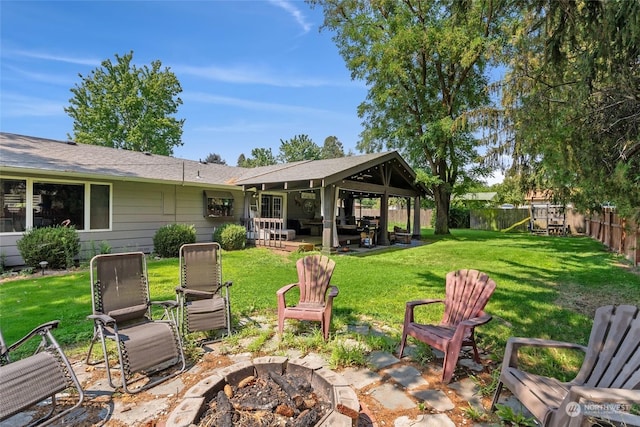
(547, 287)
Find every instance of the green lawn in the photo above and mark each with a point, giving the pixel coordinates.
(546, 286)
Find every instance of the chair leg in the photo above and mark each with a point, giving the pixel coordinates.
(280, 324)
(451, 355)
(403, 341)
(496, 396)
(476, 355)
(93, 341)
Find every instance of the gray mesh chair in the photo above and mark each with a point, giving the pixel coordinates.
(122, 313)
(203, 300)
(35, 378)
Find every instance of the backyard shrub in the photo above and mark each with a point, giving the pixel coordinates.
(56, 245)
(230, 236)
(459, 217)
(169, 238)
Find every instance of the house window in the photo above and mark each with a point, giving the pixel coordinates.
(13, 196)
(58, 204)
(100, 207)
(218, 204)
(271, 206)
(84, 206)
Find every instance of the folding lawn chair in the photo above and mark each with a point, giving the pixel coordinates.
(203, 300)
(122, 313)
(35, 378)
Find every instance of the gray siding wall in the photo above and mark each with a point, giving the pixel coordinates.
(138, 211)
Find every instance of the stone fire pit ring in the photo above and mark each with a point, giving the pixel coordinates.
(326, 383)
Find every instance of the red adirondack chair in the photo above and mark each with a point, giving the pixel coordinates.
(316, 294)
(466, 294)
(610, 372)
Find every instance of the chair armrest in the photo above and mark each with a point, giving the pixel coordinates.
(476, 321)
(283, 290)
(597, 394)
(411, 305)
(333, 291)
(592, 395)
(40, 330)
(513, 345)
(165, 304)
(418, 302)
(280, 295)
(227, 284)
(102, 318)
(194, 293)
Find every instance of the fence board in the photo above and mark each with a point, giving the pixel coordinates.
(616, 233)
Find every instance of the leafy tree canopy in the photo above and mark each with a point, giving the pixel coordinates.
(298, 148)
(424, 63)
(122, 106)
(332, 148)
(215, 158)
(572, 102)
(259, 157)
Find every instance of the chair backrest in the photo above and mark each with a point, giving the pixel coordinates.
(120, 286)
(200, 267)
(613, 353)
(314, 275)
(466, 294)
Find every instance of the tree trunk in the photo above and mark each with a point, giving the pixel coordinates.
(442, 196)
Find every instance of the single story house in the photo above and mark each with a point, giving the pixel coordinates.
(123, 197)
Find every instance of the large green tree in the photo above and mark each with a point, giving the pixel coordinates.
(425, 65)
(120, 105)
(332, 148)
(259, 157)
(300, 147)
(215, 158)
(572, 101)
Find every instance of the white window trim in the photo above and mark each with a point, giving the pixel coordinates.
(87, 196)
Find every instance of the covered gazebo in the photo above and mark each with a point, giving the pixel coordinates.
(378, 175)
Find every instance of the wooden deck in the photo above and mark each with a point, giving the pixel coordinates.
(311, 243)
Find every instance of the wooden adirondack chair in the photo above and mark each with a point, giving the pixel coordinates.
(466, 294)
(316, 294)
(610, 372)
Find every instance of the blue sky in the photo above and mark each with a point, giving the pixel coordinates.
(252, 72)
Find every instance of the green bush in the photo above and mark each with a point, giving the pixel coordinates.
(56, 245)
(230, 236)
(170, 237)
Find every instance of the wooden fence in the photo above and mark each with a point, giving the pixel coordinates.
(618, 234)
(400, 216)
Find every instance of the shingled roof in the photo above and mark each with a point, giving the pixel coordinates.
(20, 154)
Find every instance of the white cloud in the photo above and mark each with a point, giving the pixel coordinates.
(51, 57)
(296, 13)
(50, 78)
(24, 106)
(248, 104)
(247, 75)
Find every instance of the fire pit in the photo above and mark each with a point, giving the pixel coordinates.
(336, 404)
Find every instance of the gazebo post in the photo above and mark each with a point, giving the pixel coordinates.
(328, 203)
(383, 238)
(416, 217)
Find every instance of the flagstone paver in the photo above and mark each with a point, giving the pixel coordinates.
(360, 377)
(381, 359)
(468, 390)
(436, 399)
(435, 420)
(406, 375)
(392, 398)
